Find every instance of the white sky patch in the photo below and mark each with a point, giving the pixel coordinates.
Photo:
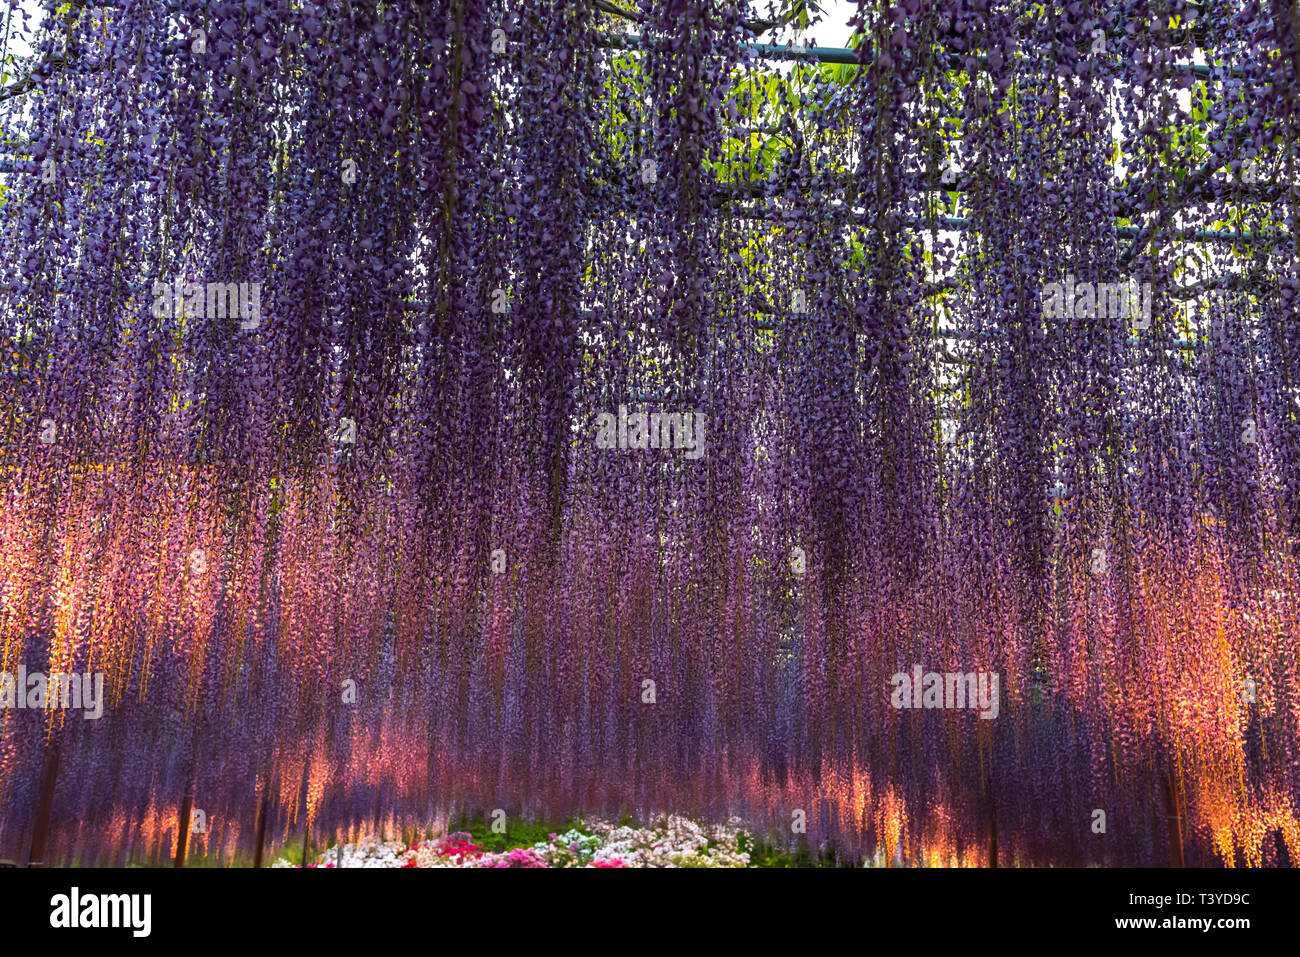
(832, 30)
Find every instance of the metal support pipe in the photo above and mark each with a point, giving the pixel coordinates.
(849, 56)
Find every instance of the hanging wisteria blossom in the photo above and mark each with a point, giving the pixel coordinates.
(535, 411)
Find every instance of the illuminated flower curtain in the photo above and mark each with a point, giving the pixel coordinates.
(975, 355)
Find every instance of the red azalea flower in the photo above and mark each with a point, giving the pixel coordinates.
(452, 847)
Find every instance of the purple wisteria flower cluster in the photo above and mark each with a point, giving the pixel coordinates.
(973, 352)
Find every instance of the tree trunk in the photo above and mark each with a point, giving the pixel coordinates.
(1173, 820)
(261, 825)
(44, 807)
(993, 836)
(183, 829)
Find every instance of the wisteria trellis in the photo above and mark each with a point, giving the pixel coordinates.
(475, 226)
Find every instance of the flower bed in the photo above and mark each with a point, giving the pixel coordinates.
(668, 841)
